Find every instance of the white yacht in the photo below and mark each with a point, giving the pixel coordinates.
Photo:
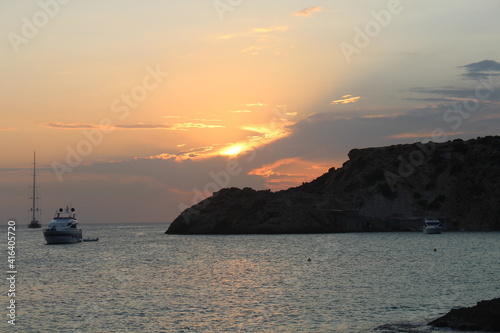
(63, 228)
(432, 226)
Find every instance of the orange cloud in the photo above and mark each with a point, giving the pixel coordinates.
(202, 119)
(253, 50)
(269, 169)
(184, 126)
(254, 32)
(193, 153)
(143, 126)
(288, 172)
(170, 127)
(164, 156)
(261, 39)
(308, 12)
(70, 125)
(270, 29)
(346, 99)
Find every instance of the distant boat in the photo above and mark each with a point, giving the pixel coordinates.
(34, 224)
(63, 228)
(432, 226)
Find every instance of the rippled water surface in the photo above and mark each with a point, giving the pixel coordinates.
(137, 279)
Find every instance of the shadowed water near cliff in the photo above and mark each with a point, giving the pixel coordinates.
(136, 279)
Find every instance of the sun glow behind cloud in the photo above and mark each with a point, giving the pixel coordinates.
(265, 136)
(233, 150)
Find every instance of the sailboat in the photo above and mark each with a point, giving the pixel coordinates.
(35, 212)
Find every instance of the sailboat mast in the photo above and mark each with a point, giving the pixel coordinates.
(34, 209)
(34, 188)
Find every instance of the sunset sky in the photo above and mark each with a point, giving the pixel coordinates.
(138, 109)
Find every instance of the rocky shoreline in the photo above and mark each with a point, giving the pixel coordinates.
(484, 316)
(378, 189)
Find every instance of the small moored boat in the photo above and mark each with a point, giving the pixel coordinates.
(432, 226)
(63, 228)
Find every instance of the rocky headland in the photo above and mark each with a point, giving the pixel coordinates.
(378, 189)
(484, 316)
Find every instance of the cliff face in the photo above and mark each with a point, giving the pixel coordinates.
(387, 188)
(481, 317)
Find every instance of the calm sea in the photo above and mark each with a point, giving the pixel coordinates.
(137, 279)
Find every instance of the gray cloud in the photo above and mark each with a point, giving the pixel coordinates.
(483, 66)
(485, 87)
(451, 93)
(323, 136)
(481, 69)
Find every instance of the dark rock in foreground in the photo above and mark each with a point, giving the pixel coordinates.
(484, 316)
(378, 189)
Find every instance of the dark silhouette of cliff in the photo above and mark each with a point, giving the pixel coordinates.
(484, 316)
(377, 189)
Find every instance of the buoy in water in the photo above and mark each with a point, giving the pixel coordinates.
(309, 259)
(435, 250)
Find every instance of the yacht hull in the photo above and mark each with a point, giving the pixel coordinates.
(62, 236)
